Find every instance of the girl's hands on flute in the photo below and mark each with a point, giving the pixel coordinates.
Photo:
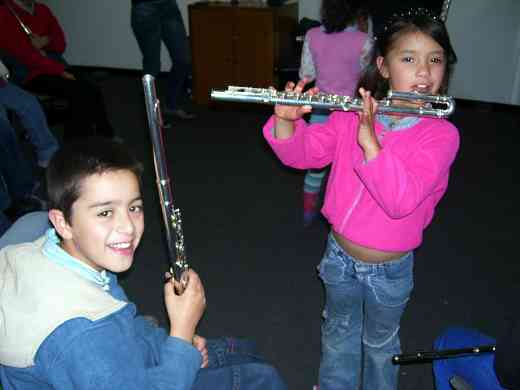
(286, 115)
(367, 137)
(292, 113)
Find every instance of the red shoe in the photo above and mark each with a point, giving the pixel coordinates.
(310, 208)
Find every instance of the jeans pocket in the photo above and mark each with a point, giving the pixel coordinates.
(333, 328)
(331, 267)
(393, 286)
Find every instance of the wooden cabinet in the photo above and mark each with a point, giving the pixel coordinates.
(244, 44)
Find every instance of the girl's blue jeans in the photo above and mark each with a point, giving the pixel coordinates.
(478, 370)
(363, 309)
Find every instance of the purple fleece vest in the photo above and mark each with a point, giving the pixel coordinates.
(336, 58)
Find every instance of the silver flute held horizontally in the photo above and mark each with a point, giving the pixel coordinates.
(339, 102)
(171, 215)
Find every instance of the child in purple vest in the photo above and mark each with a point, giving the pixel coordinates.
(333, 56)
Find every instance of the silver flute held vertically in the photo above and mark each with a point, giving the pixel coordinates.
(171, 215)
(339, 102)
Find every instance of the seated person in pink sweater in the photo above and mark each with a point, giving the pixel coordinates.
(388, 172)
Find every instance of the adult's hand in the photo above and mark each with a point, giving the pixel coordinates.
(68, 76)
(39, 41)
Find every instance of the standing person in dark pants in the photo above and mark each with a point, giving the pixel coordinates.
(156, 21)
(36, 63)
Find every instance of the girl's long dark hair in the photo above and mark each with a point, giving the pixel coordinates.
(336, 15)
(418, 20)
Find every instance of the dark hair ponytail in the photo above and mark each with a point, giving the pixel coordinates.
(336, 15)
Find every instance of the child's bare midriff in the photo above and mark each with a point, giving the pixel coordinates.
(365, 254)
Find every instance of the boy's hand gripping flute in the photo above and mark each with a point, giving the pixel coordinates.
(171, 215)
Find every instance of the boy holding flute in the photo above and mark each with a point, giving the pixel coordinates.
(65, 322)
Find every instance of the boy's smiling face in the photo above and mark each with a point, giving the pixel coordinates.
(106, 223)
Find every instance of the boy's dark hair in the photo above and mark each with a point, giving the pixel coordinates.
(417, 20)
(79, 159)
(336, 15)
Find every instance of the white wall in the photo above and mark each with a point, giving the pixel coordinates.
(486, 38)
(515, 95)
(98, 33)
(485, 34)
(309, 9)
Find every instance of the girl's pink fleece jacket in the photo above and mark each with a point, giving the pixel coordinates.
(387, 202)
